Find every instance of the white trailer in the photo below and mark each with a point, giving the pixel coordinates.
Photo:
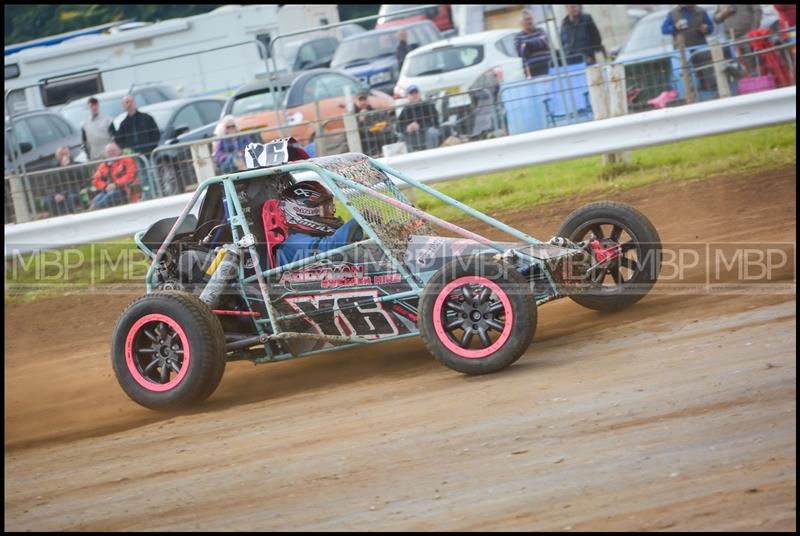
(209, 54)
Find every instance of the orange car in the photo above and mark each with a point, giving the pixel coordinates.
(314, 95)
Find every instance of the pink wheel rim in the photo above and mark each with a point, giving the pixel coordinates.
(442, 333)
(131, 360)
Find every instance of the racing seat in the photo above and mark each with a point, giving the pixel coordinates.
(275, 229)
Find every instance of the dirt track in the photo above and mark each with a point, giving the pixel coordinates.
(677, 414)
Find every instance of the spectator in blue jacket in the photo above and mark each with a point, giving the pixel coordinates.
(532, 46)
(691, 23)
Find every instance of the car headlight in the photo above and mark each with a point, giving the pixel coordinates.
(385, 76)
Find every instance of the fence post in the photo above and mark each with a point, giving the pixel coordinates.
(618, 96)
(685, 69)
(618, 106)
(351, 124)
(598, 93)
(18, 198)
(202, 162)
(718, 60)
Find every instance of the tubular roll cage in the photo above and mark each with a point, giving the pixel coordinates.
(245, 240)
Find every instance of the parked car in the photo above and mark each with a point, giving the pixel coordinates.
(311, 53)
(371, 56)
(466, 72)
(175, 118)
(258, 96)
(315, 95)
(440, 15)
(111, 101)
(38, 134)
(456, 65)
(351, 28)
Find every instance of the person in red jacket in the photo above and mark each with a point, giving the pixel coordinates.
(115, 180)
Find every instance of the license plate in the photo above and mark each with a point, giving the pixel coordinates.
(459, 100)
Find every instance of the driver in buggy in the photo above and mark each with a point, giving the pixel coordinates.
(313, 227)
(300, 221)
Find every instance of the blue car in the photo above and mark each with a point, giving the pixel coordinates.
(372, 56)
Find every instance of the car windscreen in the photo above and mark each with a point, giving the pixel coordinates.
(161, 117)
(443, 60)
(364, 48)
(647, 35)
(256, 102)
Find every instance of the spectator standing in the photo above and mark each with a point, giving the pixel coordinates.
(402, 48)
(419, 122)
(692, 24)
(63, 193)
(138, 131)
(229, 152)
(97, 131)
(739, 20)
(373, 125)
(115, 180)
(580, 37)
(531, 45)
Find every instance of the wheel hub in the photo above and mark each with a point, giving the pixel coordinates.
(475, 315)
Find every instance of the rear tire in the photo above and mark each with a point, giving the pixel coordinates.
(477, 296)
(636, 271)
(168, 350)
(168, 178)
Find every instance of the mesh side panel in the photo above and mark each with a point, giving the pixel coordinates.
(391, 224)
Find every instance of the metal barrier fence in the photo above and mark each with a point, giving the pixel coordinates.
(497, 110)
(623, 133)
(78, 188)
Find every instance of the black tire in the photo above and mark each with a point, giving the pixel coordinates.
(168, 178)
(641, 253)
(190, 325)
(452, 345)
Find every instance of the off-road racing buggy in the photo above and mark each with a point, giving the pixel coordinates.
(216, 292)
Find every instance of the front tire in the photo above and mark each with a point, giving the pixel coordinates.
(477, 315)
(168, 350)
(628, 278)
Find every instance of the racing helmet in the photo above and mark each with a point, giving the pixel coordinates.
(308, 207)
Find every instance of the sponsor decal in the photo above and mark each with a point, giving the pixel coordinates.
(346, 313)
(336, 276)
